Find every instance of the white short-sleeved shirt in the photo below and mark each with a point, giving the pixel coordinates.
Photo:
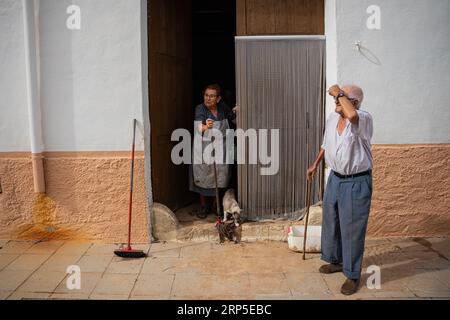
(350, 153)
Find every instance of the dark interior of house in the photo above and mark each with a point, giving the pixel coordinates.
(213, 56)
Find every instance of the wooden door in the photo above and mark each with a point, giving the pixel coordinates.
(170, 72)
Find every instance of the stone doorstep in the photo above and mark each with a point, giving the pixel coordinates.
(273, 230)
(251, 231)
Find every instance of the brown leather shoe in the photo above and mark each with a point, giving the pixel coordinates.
(330, 268)
(350, 287)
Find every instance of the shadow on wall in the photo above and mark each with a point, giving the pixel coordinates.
(368, 54)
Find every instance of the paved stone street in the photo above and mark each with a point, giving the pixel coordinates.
(410, 269)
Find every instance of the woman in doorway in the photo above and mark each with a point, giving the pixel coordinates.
(212, 113)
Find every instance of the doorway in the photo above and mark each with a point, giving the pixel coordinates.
(213, 49)
(191, 45)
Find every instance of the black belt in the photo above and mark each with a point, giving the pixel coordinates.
(365, 173)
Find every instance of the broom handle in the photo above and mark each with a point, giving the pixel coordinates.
(308, 200)
(131, 186)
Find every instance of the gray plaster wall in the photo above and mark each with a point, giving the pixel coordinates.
(404, 68)
(14, 133)
(90, 79)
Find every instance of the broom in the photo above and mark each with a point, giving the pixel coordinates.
(129, 252)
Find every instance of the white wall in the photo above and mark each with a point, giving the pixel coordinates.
(14, 132)
(91, 79)
(406, 85)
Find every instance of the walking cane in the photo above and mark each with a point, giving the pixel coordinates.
(308, 204)
(215, 179)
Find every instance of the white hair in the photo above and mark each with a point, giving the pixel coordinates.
(354, 92)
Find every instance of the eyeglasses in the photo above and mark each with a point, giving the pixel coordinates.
(210, 95)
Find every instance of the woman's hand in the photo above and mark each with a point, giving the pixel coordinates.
(209, 124)
(235, 109)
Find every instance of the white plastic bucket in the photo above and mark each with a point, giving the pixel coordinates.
(296, 234)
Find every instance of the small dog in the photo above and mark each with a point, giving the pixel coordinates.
(231, 208)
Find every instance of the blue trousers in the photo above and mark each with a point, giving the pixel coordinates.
(346, 207)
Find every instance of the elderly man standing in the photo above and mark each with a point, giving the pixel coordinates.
(346, 204)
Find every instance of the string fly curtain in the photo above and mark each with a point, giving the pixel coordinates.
(280, 84)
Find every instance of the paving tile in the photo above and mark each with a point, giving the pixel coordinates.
(333, 282)
(203, 249)
(10, 280)
(441, 245)
(214, 265)
(191, 286)
(150, 297)
(306, 283)
(69, 296)
(270, 296)
(108, 297)
(393, 294)
(356, 296)
(94, 263)
(312, 297)
(409, 261)
(230, 248)
(294, 263)
(97, 249)
(275, 283)
(20, 295)
(6, 259)
(377, 241)
(443, 276)
(115, 284)
(259, 249)
(432, 293)
(121, 265)
(28, 262)
(409, 245)
(225, 297)
(45, 247)
(16, 247)
(5, 294)
(276, 264)
(171, 265)
(382, 255)
(73, 248)
(42, 281)
(155, 286)
(88, 283)
(391, 281)
(168, 249)
(59, 263)
(426, 282)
